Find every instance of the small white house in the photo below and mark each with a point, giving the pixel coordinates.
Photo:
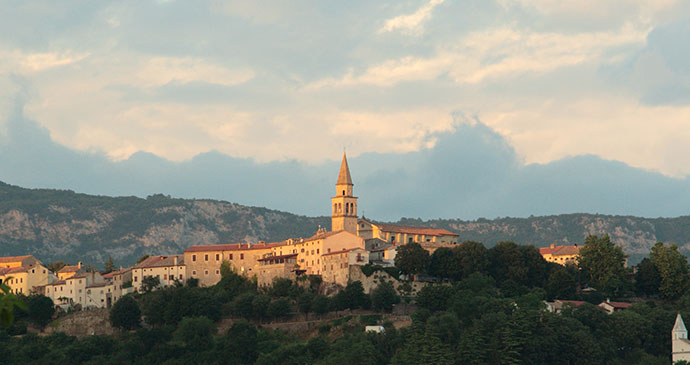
(376, 329)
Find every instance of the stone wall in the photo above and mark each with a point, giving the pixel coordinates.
(83, 323)
(371, 282)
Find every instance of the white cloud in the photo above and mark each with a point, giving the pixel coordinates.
(501, 52)
(411, 22)
(162, 70)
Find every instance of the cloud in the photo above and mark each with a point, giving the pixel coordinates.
(470, 171)
(411, 22)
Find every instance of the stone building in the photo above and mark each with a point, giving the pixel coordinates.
(24, 274)
(168, 269)
(87, 290)
(336, 264)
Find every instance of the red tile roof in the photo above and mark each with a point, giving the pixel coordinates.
(622, 305)
(575, 303)
(13, 270)
(233, 247)
(342, 251)
(560, 250)
(14, 258)
(160, 261)
(69, 268)
(392, 228)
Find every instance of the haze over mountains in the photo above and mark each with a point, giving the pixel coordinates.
(470, 172)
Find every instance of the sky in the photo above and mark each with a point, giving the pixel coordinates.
(448, 108)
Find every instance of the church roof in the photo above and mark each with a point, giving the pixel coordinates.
(679, 326)
(344, 177)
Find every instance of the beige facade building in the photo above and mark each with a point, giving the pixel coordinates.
(17, 261)
(168, 269)
(560, 254)
(397, 234)
(336, 264)
(26, 279)
(86, 290)
(272, 267)
(121, 281)
(69, 271)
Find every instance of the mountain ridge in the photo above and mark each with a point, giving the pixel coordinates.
(64, 225)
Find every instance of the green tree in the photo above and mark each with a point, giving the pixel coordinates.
(241, 343)
(435, 297)
(55, 266)
(647, 278)
(148, 283)
(8, 303)
(471, 257)
(673, 270)
(561, 284)
(279, 308)
(260, 306)
(383, 297)
(604, 264)
(319, 304)
(412, 259)
(196, 333)
(40, 309)
(109, 265)
(304, 302)
(443, 264)
(352, 297)
(243, 305)
(125, 313)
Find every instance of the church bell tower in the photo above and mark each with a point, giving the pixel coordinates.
(344, 205)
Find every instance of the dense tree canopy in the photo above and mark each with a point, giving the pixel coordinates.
(603, 263)
(411, 258)
(672, 267)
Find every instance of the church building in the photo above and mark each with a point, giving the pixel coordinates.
(680, 346)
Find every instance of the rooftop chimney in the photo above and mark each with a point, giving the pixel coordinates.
(79, 264)
(553, 245)
(175, 260)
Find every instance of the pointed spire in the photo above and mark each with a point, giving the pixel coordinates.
(344, 176)
(679, 331)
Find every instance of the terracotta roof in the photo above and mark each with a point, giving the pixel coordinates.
(392, 228)
(621, 305)
(233, 247)
(13, 270)
(268, 258)
(69, 268)
(342, 251)
(116, 272)
(575, 303)
(560, 250)
(383, 248)
(160, 261)
(14, 258)
(323, 235)
(344, 177)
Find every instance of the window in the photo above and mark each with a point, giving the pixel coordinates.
(180, 276)
(317, 251)
(312, 252)
(205, 272)
(205, 257)
(230, 256)
(87, 292)
(165, 277)
(217, 257)
(33, 271)
(302, 251)
(193, 257)
(135, 279)
(217, 272)
(329, 250)
(241, 256)
(193, 272)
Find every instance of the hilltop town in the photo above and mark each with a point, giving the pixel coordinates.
(386, 272)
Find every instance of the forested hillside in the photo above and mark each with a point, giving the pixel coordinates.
(58, 224)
